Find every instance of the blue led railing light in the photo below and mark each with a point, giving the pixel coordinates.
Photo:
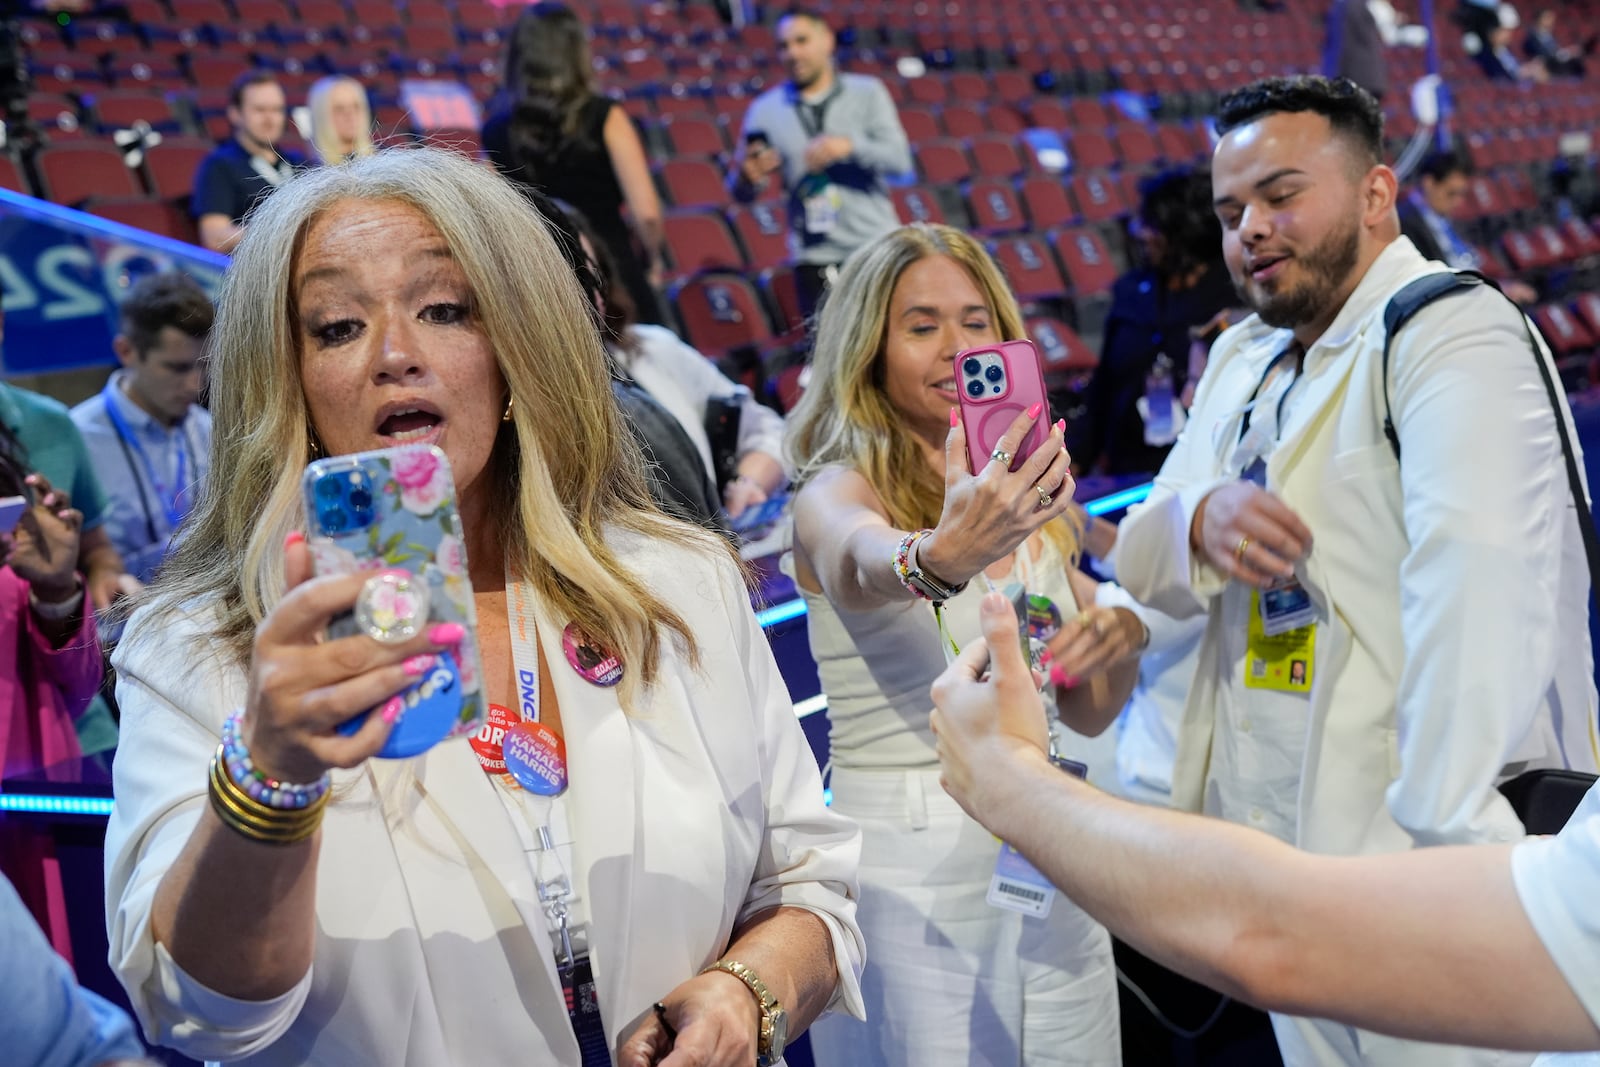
(42, 804)
(793, 609)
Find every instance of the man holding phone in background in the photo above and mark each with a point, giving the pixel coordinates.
(831, 138)
(1387, 638)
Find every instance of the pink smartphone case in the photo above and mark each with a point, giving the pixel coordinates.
(987, 419)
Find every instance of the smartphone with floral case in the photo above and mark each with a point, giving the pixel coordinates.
(393, 512)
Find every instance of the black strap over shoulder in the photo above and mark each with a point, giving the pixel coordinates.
(1402, 306)
(1406, 303)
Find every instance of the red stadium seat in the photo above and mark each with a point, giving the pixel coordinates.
(1047, 204)
(720, 312)
(171, 165)
(996, 156)
(692, 183)
(1098, 197)
(1031, 269)
(943, 162)
(694, 136)
(915, 203)
(1090, 149)
(1580, 237)
(1563, 331)
(1048, 113)
(964, 120)
(1087, 261)
(146, 213)
(699, 240)
(1587, 307)
(1067, 361)
(11, 176)
(764, 231)
(920, 124)
(121, 109)
(928, 89)
(201, 13)
(71, 173)
(56, 116)
(1135, 145)
(994, 207)
(782, 291)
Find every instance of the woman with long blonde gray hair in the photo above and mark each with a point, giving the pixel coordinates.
(341, 119)
(888, 519)
(685, 886)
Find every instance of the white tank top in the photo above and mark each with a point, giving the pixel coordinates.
(876, 666)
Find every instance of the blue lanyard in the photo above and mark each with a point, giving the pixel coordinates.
(171, 503)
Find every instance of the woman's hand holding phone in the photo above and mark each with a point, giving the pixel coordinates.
(301, 688)
(42, 549)
(990, 514)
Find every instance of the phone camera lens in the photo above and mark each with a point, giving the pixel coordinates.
(971, 366)
(361, 499)
(974, 388)
(331, 519)
(994, 373)
(328, 488)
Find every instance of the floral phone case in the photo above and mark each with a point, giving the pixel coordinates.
(395, 510)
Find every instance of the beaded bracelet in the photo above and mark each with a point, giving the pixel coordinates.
(271, 792)
(902, 561)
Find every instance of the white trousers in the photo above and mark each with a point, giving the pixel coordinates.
(1320, 1043)
(951, 981)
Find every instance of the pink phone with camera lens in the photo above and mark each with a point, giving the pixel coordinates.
(996, 384)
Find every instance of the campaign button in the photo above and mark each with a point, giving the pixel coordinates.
(593, 662)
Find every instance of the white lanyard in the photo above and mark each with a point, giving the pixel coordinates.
(554, 882)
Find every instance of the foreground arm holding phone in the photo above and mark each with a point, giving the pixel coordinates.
(1486, 945)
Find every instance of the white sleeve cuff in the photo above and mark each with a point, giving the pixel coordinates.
(209, 1025)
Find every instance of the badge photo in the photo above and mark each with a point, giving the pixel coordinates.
(594, 663)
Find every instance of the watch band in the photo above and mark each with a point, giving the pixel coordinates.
(770, 1008)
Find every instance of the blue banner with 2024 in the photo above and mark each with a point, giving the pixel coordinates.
(63, 274)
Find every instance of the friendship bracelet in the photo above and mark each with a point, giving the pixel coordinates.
(271, 792)
(902, 561)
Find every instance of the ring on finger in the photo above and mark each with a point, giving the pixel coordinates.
(1045, 499)
(1244, 545)
(1002, 455)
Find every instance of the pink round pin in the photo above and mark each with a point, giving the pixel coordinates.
(593, 662)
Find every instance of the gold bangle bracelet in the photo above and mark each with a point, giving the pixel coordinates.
(250, 807)
(241, 813)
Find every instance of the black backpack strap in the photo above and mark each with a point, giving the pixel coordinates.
(1402, 306)
(1411, 299)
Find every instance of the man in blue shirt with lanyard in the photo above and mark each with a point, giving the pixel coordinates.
(149, 441)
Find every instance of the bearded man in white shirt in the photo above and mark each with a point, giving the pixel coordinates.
(1438, 605)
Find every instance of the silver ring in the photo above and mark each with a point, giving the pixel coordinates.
(392, 607)
(1002, 455)
(1045, 499)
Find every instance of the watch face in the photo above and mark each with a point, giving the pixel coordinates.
(780, 1033)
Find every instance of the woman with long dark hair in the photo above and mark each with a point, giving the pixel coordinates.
(1181, 283)
(550, 128)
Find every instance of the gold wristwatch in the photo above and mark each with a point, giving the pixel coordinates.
(773, 1032)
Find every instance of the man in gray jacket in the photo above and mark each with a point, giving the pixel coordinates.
(833, 138)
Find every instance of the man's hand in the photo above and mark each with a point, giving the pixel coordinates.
(826, 149)
(1249, 534)
(757, 162)
(712, 1020)
(987, 726)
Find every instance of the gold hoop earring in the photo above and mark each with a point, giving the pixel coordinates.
(510, 403)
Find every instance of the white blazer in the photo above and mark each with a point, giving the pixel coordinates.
(1451, 588)
(702, 808)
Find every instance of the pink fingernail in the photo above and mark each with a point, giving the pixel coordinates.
(419, 665)
(391, 710)
(1046, 656)
(1033, 412)
(447, 633)
(1060, 678)
(292, 538)
(1061, 426)
(955, 417)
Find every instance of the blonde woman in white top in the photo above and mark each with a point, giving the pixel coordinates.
(881, 456)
